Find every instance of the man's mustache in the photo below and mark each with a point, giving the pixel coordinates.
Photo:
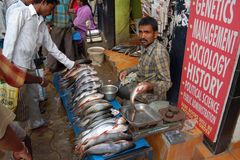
(142, 40)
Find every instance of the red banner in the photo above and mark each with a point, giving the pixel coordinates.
(210, 58)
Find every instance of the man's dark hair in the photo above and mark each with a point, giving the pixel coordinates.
(48, 1)
(149, 21)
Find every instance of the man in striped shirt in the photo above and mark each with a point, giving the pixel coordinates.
(153, 70)
(61, 33)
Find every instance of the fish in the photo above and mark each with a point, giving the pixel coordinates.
(87, 87)
(108, 148)
(120, 120)
(69, 72)
(63, 72)
(98, 131)
(73, 72)
(80, 110)
(88, 79)
(87, 93)
(85, 73)
(78, 71)
(88, 121)
(97, 107)
(105, 137)
(90, 98)
(95, 123)
(91, 103)
(105, 128)
(65, 83)
(84, 94)
(104, 116)
(94, 115)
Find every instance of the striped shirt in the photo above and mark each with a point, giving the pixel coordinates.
(154, 67)
(10, 73)
(60, 16)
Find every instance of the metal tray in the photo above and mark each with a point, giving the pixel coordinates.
(143, 117)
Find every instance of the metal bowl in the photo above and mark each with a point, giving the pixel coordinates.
(109, 91)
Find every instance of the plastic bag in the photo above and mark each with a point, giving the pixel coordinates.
(8, 96)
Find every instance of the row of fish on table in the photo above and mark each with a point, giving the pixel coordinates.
(102, 133)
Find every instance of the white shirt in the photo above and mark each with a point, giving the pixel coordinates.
(11, 6)
(8, 3)
(26, 32)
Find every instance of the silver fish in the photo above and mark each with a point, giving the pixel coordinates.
(98, 131)
(88, 121)
(73, 73)
(87, 87)
(85, 73)
(108, 148)
(69, 72)
(88, 79)
(83, 95)
(103, 121)
(107, 128)
(87, 93)
(95, 123)
(89, 104)
(105, 137)
(97, 107)
(120, 120)
(90, 98)
(92, 116)
(104, 116)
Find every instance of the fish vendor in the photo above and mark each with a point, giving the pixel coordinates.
(152, 74)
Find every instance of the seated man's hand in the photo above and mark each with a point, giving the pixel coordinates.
(123, 75)
(144, 87)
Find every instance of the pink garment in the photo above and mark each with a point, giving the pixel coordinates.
(84, 13)
(75, 5)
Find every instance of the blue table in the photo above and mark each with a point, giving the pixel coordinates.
(139, 144)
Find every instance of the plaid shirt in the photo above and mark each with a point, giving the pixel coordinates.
(60, 16)
(10, 73)
(154, 67)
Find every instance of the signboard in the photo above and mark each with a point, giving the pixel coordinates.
(211, 53)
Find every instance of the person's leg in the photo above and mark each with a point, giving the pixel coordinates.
(20, 132)
(57, 37)
(68, 44)
(35, 118)
(22, 135)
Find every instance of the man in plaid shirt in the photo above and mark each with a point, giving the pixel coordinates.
(60, 24)
(153, 70)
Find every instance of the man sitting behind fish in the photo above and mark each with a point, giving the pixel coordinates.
(152, 74)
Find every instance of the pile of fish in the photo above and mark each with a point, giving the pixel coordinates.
(102, 133)
(134, 51)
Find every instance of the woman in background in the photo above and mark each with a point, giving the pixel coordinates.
(84, 14)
